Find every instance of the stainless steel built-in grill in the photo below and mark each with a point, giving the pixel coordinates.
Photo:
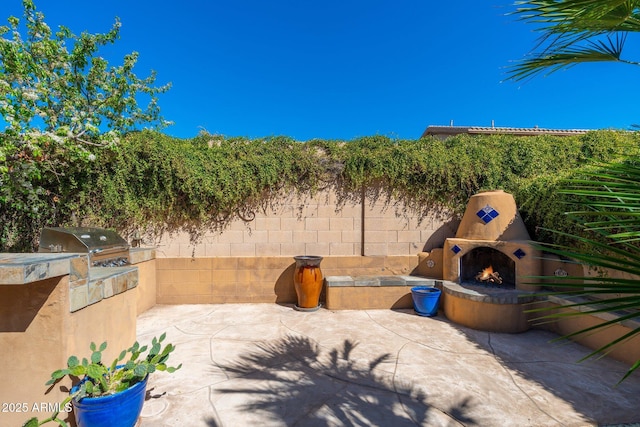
(105, 247)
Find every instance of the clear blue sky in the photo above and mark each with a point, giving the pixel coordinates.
(343, 69)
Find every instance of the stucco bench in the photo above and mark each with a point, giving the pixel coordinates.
(372, 292)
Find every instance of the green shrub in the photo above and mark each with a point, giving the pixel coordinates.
(156, 182)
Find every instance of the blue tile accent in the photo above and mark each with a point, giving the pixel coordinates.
(456, 249)
(487, 213)
(520, 253)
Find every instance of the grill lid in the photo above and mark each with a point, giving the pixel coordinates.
(80, 240)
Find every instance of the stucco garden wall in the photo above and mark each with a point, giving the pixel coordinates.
(627, 351)
(215, 280)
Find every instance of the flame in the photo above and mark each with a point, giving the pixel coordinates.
(486, 273)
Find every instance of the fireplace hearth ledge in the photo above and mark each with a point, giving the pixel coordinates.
(487, 294)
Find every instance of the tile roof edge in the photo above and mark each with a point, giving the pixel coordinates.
(501, 129)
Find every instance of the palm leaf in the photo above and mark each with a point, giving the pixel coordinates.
(574, 32)
(577, 16)
(565, 56)
(605, 202)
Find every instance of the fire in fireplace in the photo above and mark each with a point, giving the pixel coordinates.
(489, 276)
(487, 266)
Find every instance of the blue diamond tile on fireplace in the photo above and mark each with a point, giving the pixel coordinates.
(520, 253)
(487, 214)
(456, 249)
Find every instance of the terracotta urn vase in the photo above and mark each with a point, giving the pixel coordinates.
(308, 280)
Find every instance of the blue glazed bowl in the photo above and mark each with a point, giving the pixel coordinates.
(120, 409)
(425, 300)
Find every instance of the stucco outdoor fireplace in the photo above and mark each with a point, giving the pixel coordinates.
(487, 266)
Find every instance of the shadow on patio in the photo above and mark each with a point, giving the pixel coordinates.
(290, 380)
(266, 364)
(535, 363)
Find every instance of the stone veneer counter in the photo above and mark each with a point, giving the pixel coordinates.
(23, 268)
(86, 285)
(138, 255)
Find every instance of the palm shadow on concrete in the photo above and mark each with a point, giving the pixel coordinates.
(589, 387)
(290, 381)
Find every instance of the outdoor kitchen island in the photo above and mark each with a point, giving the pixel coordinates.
(53, 305)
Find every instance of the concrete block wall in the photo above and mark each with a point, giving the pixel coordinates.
(253, 261)
(311, 226)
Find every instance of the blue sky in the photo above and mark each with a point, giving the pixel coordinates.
(344, 69)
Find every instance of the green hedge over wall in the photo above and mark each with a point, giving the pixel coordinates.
(155, 182)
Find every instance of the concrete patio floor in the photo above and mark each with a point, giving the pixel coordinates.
(269, 365)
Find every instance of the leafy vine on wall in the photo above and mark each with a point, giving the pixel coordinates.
(154, 182)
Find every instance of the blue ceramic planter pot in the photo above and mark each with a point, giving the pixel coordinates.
(120, 409)
(425, 300)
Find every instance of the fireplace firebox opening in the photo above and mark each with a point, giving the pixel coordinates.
(489, 267)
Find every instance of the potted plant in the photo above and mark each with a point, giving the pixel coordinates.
(109, 395)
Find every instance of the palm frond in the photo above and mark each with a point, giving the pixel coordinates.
(565, 56)
(606, 206)
(574, 32)
(576, 16)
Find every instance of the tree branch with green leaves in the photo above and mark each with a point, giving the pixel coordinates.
(62, 105)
